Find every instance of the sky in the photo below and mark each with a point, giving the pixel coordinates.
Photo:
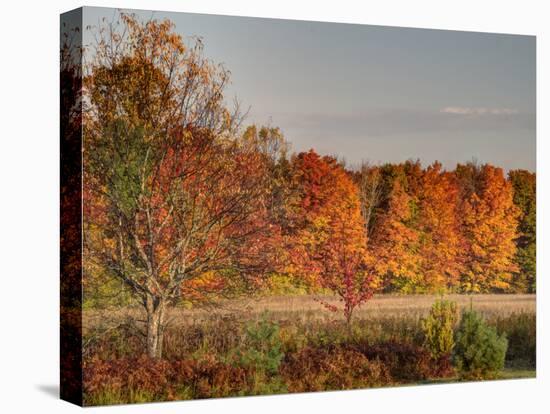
(376, 93)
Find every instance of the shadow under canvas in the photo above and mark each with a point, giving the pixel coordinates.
(51, 390)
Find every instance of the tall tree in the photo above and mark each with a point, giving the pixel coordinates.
(272, 144)
(369, 181)
(441, 242)
(172, 194)
(395, 243)
(525, 198)
(490, 228)
(312, 185)
(330, 241)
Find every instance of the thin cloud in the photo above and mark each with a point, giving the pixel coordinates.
(461, 110)
(388, 122)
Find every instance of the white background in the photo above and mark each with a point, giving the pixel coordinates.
(29, 208)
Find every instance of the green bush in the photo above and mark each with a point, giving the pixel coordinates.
(479, 350)
(521, 331)
(262, 348)
(438, 328)
(261, 353)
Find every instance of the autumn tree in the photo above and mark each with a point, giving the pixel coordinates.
(525, 198)
(441, 242)
(271, 143)
(174, 196)
(329, 245)
(343, 256)
(395, 243)
(309, 188)
(369, 182)
(489, 220)
(284, 208)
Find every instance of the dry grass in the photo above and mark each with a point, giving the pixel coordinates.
(308, 308)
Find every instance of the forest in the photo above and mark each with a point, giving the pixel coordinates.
(186, 207)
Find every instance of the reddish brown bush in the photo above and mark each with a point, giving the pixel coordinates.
(314, 369)
(140, 373)
(164, 380)
(407, 362)
(443, 367)
(210, 378)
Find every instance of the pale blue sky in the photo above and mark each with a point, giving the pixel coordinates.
(383, 94)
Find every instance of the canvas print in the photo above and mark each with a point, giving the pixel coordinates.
(259, 206)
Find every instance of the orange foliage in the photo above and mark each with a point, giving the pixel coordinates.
(395, 243)
(490, 221)
(329, 247)
(441, 243)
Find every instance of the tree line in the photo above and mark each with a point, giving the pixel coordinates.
(417, 230)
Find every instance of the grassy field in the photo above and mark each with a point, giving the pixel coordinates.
(306, 307)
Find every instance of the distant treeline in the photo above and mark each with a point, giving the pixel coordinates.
(472, 229)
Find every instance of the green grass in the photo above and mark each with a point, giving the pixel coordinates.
(510, 373)
(505, 374)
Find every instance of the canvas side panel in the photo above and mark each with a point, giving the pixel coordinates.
(71, 206)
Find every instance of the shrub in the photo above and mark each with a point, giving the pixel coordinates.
(438, 328)
(210, 378)
(317, 369)
(292, 337)
(131, 380)
(120, 380)
(521, 331)
(406, 362)
(479, 351)
(261, 353)
(262, 348)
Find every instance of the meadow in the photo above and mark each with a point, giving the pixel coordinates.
(286, 344)
(283, 307)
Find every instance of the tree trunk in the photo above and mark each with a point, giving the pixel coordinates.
(155, 326)
(348, 312)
